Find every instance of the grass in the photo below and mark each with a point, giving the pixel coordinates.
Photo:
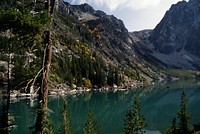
(180, 73)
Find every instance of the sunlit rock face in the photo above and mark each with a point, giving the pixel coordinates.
(175, 41)
(179, 29)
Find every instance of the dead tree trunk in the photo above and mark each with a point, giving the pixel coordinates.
(41, 121)
(43, 94)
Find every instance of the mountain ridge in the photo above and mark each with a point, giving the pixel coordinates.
(175, 46)
(174, 40)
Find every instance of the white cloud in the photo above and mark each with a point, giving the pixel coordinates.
(138, 5)
(113, 5)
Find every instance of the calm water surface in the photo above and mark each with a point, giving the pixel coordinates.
(159, 105)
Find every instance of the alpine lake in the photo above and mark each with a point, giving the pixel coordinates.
(159, 103)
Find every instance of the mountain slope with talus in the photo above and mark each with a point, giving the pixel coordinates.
(175, 41)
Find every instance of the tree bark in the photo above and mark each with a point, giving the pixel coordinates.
(41, 121)
(49, 6)
(43, 95)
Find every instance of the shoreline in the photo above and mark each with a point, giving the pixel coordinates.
(65, 90)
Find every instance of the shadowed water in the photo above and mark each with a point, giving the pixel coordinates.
(159, 105)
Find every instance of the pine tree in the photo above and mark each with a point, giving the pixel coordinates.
(184, 117)
(134, 122)
(128, 124)
(66, 127)
(24, 31)
(183, 126)
(91, 126)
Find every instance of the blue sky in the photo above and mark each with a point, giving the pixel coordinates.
(136, 14)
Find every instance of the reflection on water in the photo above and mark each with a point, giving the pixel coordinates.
(159, 105)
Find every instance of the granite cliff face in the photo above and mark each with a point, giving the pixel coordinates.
(176, 39)
(179, 29)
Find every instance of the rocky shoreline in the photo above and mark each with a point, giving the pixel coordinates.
(66, 90)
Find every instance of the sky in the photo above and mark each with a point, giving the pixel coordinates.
(136, 14)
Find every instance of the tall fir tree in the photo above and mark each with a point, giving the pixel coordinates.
(66, 127)
(91, 126)
(184, 117)
(134, 122)
(183, 126)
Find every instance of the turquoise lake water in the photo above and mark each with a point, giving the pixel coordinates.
(159, 105)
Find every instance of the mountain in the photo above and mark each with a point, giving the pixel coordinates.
(91, 48)
(109, 34)
(110, 39)
(175, 41)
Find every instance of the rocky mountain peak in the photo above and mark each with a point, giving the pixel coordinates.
(175, 41)
(178, 28)
(85, 8)
(101, 24)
